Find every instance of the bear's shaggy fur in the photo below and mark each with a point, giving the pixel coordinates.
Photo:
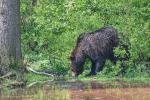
(97, 46)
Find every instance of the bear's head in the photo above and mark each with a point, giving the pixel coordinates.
(76, 66)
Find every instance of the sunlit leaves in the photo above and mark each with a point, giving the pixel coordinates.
(55, 25)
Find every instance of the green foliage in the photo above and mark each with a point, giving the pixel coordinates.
(50, 29)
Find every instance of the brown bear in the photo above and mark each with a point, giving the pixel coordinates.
(96, 46)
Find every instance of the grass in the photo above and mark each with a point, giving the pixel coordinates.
(100, 77)
(134, 81)
(30, 77)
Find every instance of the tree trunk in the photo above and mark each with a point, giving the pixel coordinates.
(10, 46)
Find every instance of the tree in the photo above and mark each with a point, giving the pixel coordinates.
(10, 46)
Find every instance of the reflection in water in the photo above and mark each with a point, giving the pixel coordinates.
(112, 94)
(44, 93)
(77, 91)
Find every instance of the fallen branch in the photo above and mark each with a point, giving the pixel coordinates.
(36, 82)
(13, 85)
(40, 73)
(7, 75)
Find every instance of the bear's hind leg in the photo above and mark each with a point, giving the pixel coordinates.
(113, 58)
(93, 70)
(100, 65)
(97, 67)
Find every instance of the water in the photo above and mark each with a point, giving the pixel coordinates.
(62, 90)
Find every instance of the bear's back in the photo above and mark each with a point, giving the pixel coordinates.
(101, 37)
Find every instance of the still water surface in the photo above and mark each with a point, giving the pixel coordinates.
(78, 91)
